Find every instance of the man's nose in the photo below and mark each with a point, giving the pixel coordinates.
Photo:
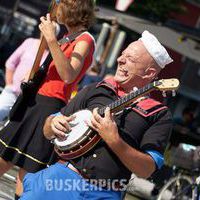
(121, 59)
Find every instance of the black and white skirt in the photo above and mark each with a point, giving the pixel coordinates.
(23, 143)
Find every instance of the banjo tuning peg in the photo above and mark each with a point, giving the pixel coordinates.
(164, 94)
(173, 93)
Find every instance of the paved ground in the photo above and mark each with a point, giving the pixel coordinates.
(7, 185)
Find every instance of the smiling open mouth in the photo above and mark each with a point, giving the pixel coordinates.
(124, 72)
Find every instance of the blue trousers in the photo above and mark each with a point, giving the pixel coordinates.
(58, 182)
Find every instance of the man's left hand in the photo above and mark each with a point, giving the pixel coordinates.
(105, 126)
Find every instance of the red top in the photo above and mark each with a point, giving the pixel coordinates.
(53, 85)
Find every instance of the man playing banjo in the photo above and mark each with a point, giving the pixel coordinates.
(132, 140)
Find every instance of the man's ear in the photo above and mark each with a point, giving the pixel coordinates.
(151, 73)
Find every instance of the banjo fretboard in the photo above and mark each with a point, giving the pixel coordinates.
(128, 99)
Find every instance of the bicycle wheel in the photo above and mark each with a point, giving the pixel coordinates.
(177, 188)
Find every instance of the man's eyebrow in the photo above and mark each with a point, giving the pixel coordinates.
(132, 56)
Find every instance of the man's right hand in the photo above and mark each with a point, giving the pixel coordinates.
(60, 126)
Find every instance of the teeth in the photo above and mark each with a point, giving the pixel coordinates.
(124, 71)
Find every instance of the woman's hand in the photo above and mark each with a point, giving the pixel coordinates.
(48, 28)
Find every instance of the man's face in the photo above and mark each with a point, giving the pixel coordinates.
(133, 65)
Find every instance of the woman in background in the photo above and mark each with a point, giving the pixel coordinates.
(22, 142)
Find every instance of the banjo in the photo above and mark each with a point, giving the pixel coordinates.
(81, 138)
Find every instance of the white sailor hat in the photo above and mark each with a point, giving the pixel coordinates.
(155, 49)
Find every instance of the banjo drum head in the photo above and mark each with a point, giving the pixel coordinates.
(78, 130)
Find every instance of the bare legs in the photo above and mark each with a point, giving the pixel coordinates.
(4, 166)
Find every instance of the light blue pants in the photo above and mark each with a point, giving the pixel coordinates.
(7, 99)
(58, 182)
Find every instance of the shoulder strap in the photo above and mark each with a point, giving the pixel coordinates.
(69, 38)
(65, 40)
